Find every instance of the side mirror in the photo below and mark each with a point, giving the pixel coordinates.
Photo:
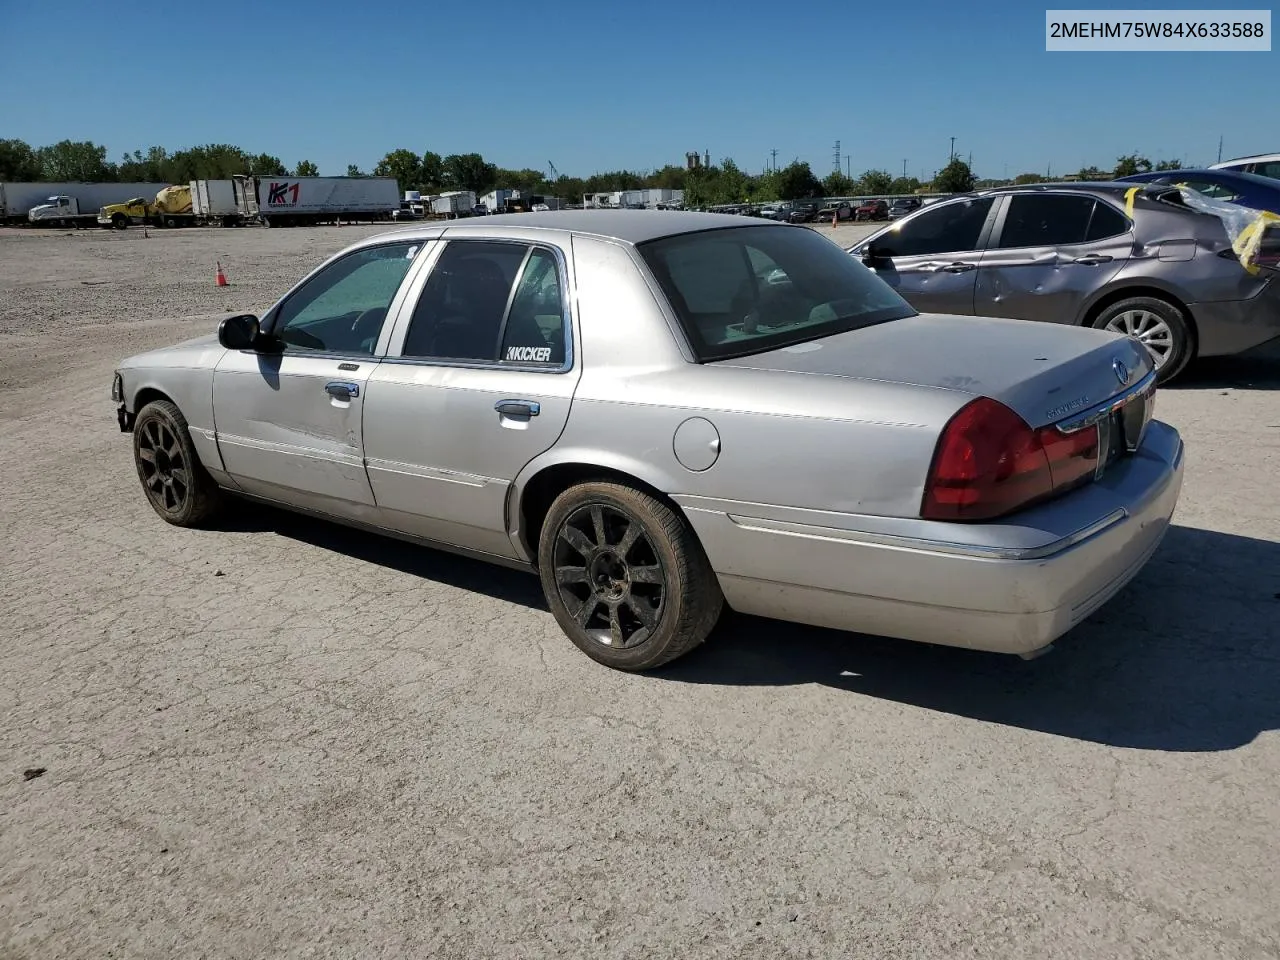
(240, 332)
(873, 257)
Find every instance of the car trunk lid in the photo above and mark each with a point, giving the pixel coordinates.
(1046, 373)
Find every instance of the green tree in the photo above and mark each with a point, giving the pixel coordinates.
(667, 178)
(67, 160)
(404, 165)
(265, 165)
(1127, 166)
(18, 162)
(432, 172)
(306, 168)
(469, 171)
(838, 185)
(1163, 165)
(1093, 174)
(875, 181)
(151, 167)
(796, 181)
(904, 185)
(1028, 178)
(355, 171)
(955, 177)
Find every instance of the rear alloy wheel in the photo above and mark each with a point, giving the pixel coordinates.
(1158, 325)
(173, 478)
(625, 577)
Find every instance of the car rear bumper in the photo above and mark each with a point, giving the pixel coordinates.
(1013, 586)
(1233, 326)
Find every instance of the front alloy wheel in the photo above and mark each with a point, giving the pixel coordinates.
(173, 478)
(625, 576)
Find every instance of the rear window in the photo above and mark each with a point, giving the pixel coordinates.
(745, 290)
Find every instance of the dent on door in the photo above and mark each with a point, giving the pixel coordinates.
(290, 423)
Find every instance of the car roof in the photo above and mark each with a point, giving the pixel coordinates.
(1096, 187)
(625, 226)
(1256, 158)
(1267, 183)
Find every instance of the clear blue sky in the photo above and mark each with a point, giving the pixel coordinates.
(590, 87)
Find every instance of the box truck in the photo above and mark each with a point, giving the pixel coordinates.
(215, 201)
(296, 201)
(454, 204)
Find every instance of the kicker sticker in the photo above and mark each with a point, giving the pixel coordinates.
(536, 354)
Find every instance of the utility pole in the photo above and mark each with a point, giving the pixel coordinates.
(848, 167)
(773, 154)
(837, 156)
(904, 168)
(1219, 149)
(953, 148)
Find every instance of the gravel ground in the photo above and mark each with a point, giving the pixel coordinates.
(287, 739)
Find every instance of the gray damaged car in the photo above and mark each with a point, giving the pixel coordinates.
(666, 413)
(1135, 261)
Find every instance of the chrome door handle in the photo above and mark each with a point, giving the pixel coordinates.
(517, 408)
(341, 390)
(1093, 259)
(959, 267)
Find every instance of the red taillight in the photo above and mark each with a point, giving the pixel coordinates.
(989, 462)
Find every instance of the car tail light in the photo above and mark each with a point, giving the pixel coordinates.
(989, 462)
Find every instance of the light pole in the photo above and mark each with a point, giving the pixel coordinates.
(953, 149)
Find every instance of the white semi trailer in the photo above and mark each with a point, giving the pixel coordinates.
(299, 201)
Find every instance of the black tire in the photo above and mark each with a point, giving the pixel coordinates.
(1159, 324)
(171, 222)
(120, 221)
(659, 595)
(174, 480)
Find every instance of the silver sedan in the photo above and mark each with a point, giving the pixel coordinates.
(666, 413)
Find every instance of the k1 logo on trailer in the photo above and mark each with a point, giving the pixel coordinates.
(283, 194)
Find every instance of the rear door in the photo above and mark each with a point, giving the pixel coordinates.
(478, 381)
(933, 256)
(1048, 253)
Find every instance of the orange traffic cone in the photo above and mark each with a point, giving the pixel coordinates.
(220, 278)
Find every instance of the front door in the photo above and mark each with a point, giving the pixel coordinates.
(1048, 254)
(289, 419)
(477, 382)
(932, 259)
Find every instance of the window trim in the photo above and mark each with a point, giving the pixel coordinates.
(395, 346)
(985, 232)
(269, 320)
(997, 232)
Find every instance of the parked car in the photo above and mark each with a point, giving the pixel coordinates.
(1071, 254)
(835, 212)
(1246, 189)
(872, 210)
(808, 447)
(903, 206)
(803, 213)
(1263, 165)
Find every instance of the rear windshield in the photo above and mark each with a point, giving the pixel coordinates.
(745, 290)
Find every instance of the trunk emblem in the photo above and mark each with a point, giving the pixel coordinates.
(1121, 371)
